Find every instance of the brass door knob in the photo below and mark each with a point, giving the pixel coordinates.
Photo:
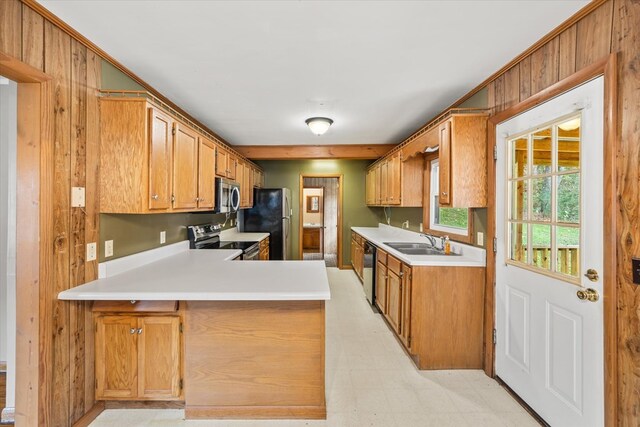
(588, 294)
(592, 275)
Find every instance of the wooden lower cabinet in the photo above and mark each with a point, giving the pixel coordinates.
(138, 357)
(264, 249)
(405, 310)
(394, 300)
(357, 255)
(312, 239)
(381, 287)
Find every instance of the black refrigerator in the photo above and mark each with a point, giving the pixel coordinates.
(271, 213)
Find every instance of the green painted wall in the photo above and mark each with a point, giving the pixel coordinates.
(114, 79)
(286, 173)
(137, 233)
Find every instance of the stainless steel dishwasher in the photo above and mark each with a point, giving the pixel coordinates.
(369, 272)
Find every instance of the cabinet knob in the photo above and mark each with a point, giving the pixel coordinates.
(133, 301)
(139, 331)
(197, 199)
(444, 193)
(132, 331)
(154, 197)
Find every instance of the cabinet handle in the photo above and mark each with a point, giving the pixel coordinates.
(444, 193)
(154, 197)
(197, 199)
(401, 273)
(132, 331)
(133, 301)
(139, 331)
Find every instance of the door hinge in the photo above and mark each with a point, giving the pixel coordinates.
(173, 198)
(494, 336)
(409, 342)
(495, 152)
(495, 244)
(181, 384)
(173, 129)
(181, 328)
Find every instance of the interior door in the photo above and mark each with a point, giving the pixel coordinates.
(549, 261)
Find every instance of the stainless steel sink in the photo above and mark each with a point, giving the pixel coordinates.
(416, 248)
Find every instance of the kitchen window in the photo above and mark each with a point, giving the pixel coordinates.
(445, 220)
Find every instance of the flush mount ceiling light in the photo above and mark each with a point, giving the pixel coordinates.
(319, 125)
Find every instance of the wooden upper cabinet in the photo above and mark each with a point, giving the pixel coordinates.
(222, 158)
(384, 182)
(185, 168)
(445, 163)
(206, 174)
(232, 164)
(160, 159)
(463, 161)
(159, 357)
(116, 354)
(394, 178)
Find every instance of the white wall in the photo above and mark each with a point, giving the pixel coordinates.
(8, 137)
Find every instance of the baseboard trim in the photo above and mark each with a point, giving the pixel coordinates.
(90, 416)
(143, 404)
(256, 412)
(8, 416)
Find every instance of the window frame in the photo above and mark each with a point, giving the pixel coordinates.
(453, 233)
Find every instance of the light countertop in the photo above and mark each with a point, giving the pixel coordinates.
(210, 275)
(233, 235)
(471, 256)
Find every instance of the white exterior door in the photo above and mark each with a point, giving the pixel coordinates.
(549, 227)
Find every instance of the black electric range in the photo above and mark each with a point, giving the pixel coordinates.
(207, 236)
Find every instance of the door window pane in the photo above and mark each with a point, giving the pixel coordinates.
(519, 200)
(568, 198)
(568, 134)
(568, 244)
(542, 152)
(520, 157)
(519, 242)
(541, 199)
(541, 246)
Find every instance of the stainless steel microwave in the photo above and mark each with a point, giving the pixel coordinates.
(227, 195)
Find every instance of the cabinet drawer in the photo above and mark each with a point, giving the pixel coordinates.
(382, 257)
(394, 264)
(135, 306)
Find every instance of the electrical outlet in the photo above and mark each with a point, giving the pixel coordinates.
(92, 249)
(231, 222)
(163, 237)
(77, 197)
(108, 248)
(635, 265)
(421, 228)
(480, 238)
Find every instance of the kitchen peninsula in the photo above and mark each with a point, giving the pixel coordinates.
(251, 340)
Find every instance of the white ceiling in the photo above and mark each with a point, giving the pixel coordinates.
(253, 71)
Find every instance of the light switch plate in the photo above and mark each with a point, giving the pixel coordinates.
(635, 265)
(108, 248)
(421, 228)
(77, 197)
(92, 251)
(163, 237)
(480, 238)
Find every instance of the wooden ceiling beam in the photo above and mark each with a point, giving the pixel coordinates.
(291, 152)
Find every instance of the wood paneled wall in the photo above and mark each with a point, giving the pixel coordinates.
(71, 119)
(613, 27)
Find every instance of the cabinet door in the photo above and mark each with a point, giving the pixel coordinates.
(239, 180)
(353, 253)
(376, 183)
(160, 129)
(185, 168)
(116, 357)
(222, 158)
(206, 174)
(369, 189)
(159, 357)
(252, 183)
(232, 165)
(361, 261)
(394, 180)
(394, 300)
(384, 180)
(445, 163)
(381, 287)
(405, 330)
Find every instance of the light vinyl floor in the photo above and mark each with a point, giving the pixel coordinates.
(370, 381)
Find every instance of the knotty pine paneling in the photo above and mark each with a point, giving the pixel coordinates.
(544, 66)
(593, 37)
(525, 78)
(11, 28)
(511, 87)
(32, 38)
(626, 41)
(567, 64)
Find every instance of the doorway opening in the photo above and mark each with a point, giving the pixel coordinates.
(8, 138)
(320, 218)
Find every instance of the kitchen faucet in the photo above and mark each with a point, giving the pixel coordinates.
(432, 240)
